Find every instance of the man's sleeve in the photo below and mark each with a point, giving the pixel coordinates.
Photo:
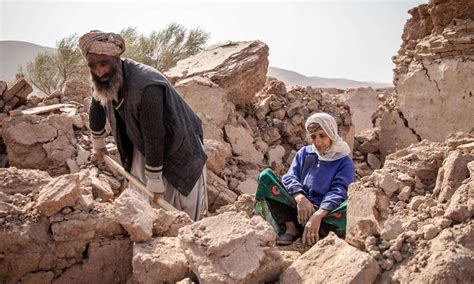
(97, 120)
(153, 129)
(292, 179)
(339, 186)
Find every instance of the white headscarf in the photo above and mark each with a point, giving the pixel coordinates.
(339, 148)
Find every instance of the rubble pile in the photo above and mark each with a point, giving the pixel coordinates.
(245, 134)
(420, 201)
(366, 155)
(12, 95)
(64, 220)
(369, 153)
(59, 228)
(279, 117)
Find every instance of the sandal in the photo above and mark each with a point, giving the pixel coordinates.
(286, 239)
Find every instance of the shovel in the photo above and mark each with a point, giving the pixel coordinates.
(157, 200)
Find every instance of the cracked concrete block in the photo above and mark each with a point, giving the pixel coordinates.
(38, 277)
(391, 229)
(240, 68)
(231, 248)
(135, 214)
(218, 192)
(40, 143)
(58, 193)
(394, 135)
(461, 205)
(108, 261)
(450, 176)
(167, 224)
(217, 155)
(386, 181)
(84, 226)
(332, 260)
(242, 144)
(209, 102)
(159, 260)
(363, 219)
(101, 189)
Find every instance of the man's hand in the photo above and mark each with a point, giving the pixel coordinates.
(155, 185)
(157, 196)
(98, 155)
(98, 149)
(305, 208)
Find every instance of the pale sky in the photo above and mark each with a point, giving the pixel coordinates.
(333, 39)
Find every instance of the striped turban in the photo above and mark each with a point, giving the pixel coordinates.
(102, 43)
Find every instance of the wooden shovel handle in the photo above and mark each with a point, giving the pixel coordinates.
(159, 201)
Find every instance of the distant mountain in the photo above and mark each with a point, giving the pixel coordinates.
(14, 54)
(296, 79)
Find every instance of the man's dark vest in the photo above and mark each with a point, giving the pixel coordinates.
(184, 157)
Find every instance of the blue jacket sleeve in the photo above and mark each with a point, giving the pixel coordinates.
(340, 183)
(292, 180)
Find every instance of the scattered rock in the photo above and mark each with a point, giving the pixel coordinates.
(135, 214)
(160, 260)
(340, 262)
(57, 194)
(216, 246)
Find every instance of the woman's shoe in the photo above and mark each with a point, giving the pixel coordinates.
(286, 239)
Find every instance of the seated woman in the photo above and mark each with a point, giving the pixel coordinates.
(318, 184)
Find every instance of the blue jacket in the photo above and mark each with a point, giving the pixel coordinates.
(324, 183)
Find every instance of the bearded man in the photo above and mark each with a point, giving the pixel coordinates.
(158, 136)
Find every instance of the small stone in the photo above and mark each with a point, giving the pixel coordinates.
(397, 256)
(443, 223)
(387, 254)
(392, 229)
(430, 231)
(66, 210)
(72, 165)
(370, 241)
(387, 264)
(404, 194)
(415, 202)
(373, 161)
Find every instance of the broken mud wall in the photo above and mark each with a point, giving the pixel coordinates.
(433, 75)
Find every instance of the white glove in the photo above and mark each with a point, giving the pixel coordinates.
(98, 143)
(156, 185)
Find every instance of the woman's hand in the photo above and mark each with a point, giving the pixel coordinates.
(311, 229)
(305, 208)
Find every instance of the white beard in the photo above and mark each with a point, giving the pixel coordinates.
(106, 96)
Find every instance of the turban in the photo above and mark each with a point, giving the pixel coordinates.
(102, 43)
(338, 148)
